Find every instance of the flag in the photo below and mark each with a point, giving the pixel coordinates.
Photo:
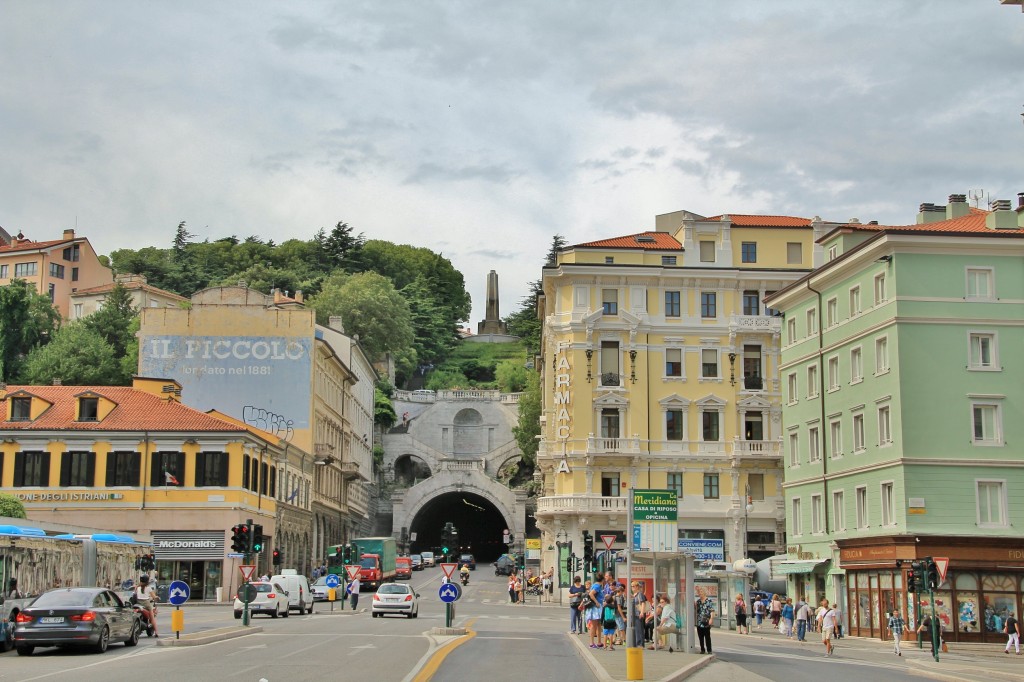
(295, 493)
(169, 478)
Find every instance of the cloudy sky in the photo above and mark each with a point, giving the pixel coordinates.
(482, 129)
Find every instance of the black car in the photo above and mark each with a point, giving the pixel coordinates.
(76, 616)
(467, 559)
(505, 565)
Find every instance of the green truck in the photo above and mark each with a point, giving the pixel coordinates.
(376, 561)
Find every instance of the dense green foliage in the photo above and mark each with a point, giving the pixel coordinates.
(525, 322)
(27, 320)
(11, 506)
(76, 355)
(475, 365)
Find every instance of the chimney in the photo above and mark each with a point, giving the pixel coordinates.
(1020, 202)
(69, 234)
(930, 213)
(298, 295)
(57, 382)
(1001, 217)
(335, 323)
(957, 206)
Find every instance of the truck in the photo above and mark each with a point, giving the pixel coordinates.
(376, 561)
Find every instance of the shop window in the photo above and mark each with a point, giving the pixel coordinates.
(168, 469)
(78, 469)
(123, 469)
(31, 469)
(211, 469)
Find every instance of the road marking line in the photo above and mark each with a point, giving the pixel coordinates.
(430, 668)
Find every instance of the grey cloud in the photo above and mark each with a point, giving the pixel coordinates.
(432, 173)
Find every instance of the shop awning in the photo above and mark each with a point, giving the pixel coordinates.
(797, 566)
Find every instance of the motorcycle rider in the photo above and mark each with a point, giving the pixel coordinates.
(464, 573)
(145, 597)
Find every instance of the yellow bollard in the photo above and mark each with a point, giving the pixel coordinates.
(634, 663)
(331, 594)
(177, 620)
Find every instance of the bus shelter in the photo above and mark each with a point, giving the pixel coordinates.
(665, 574)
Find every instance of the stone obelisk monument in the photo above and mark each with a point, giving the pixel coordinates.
(492, 323)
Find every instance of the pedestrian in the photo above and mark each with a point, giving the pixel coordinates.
(353, 588)
(667, 625)
(620, 615)
(822, 608)
(704, 610)
(802, 615)
(608, 622)
(549, 584)
(759, 612)
(512, 587)
(828, 625)
(787, 618)
(741, 615)
(12, 589)
(925, 630)
(1011, 627)
(896, 626)
(776, 611)
(839, 621)
(595, 600)
(640, 608)
(520, 587)
(576, 592)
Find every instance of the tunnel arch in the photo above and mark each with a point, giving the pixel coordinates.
(479, 522)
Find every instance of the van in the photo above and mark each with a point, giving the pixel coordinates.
(300, 597)
(428, 558)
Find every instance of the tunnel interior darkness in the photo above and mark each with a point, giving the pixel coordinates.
(478, 521)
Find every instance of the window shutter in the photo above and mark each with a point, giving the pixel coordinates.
(156, 473)
(222, 470)
(19, 469)
(65, 469)
(91, 480)
(135, 469)
(45, 469)
(200, 479)
(111, 474)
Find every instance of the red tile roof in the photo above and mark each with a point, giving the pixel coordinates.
(971, 224)
(660, 241)
(762, 220)
(34, 246)
(107, 288)
(136, 411)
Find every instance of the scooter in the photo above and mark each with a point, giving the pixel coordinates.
(147, 626)
(465, 579)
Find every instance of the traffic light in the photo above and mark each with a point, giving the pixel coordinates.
(911, 581)
(570, 563)
(257, 538)
(931, 574)
(579, 565)
(277, 557)
(588, 548)
(240, 538)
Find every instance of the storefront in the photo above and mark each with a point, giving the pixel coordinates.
(194, 557)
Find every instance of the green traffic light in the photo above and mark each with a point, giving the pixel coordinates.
(444, 550)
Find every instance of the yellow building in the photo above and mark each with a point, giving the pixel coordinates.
(659, 366)
(134, 459)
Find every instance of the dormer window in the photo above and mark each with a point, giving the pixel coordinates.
(21, 409)
(88, 409)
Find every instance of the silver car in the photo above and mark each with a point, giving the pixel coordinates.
(395, 598)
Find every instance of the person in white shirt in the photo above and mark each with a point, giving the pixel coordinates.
(828, 626)
(353, 588)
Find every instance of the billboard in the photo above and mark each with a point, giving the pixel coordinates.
(654, 520)
(264, 381)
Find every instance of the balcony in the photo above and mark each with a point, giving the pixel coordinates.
(757, 448)
(350, 470)
(584, 505)
(755, 323)
(753, 383)
(611, 379)
(613, 446)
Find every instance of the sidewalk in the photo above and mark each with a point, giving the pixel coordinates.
(610, 666)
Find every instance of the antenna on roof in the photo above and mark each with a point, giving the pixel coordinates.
(976, 195)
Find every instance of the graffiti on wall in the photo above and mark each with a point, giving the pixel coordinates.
(268, 421)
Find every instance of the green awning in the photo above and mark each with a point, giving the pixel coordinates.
(797, 566)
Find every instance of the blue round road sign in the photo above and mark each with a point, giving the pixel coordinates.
(332, 580)
(178, 593)
(449, 592)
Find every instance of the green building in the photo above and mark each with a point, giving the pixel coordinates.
(903, 387)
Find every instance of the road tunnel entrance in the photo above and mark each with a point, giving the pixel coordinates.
(479, 523)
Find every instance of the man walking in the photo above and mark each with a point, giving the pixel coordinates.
(1012, 628)
(828, 626)
(896, 626)
(803, 614)
(704, 610)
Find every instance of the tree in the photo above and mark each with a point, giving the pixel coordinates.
(528, 428)
(182, 239)
(341, 247)
(524, 322)
(370, 308)
(383, 411)
(113, 321)
(434, 335)
(27, 319)
(11, 507)
(512, 376)
(77, 356)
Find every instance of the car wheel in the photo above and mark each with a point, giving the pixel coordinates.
(104, 640)
(133, 639)
(310, 610)
(7, 643)
(25, 650)
(277, 612)
(287, 612)
(238, 615)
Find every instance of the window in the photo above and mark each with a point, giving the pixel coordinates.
(88, 409)
(123, 469)
(674, 425)
(858, 433)
(816, 515)
(51, 291)
(882, 355)
(21, 409)
(884, 425)
(752, 378)
(610, 301)
(791, 329)
(991, 503)
(879, 288)
(748, 252)
(78, 469)
(751, 303)
(794, 253)
(74, 274)
(707, 252)
(796, 517)
(856, 365)
(833, 373)
(609, 422)
(987, 426)
(78, 311)
(168, 469)
(609, 363)
(794, 449)
(56, 270)
(672, 304)
(3, 271)
(832, 312)
(675, 483)
(24, 269)
(862, 507)
(708, 304)
(668, 260)
(813, 444)
(755, 482)
(709, 363)
(770, 311)
(835, 432)
(833, 252)
(609, 260)
(791, 385)
(887, 508)
(710, 486)
(31, 469)
(610, 484)
(72, 253)
(709, 426)
(673, 362)
(982, 353)
(854, 301)
(812, 322)
(812, 381)
(838, 511)
(212, 469)
(979, 283)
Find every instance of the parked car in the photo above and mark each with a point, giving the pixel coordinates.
(89, 616)
(300, 597)
(428, 558)
(417, 562)
(505, 565)
(395, 598)
(269, 598)
(403, 568)
(319, 589)
(467, 559)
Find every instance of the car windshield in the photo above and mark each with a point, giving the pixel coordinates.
(393, 589)
(416, 557)
(403, 562)
(321, 582)
(368, 562)
(64, 598)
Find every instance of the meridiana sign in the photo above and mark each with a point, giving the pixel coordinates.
(655, 527)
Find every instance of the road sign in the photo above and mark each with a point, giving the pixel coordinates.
(247, 572)
(178, 593)
(608, 541)
(703, 550)
(448, 569)
(235, 555)
(941, 565)
(248, 593)
(449, 592)
(332, 580)
(352, 570)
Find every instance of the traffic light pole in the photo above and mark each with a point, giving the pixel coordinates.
(245, 588)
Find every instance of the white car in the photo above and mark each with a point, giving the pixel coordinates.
(270, 598)
(428, 558)
(395, 598)
(319, 589)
